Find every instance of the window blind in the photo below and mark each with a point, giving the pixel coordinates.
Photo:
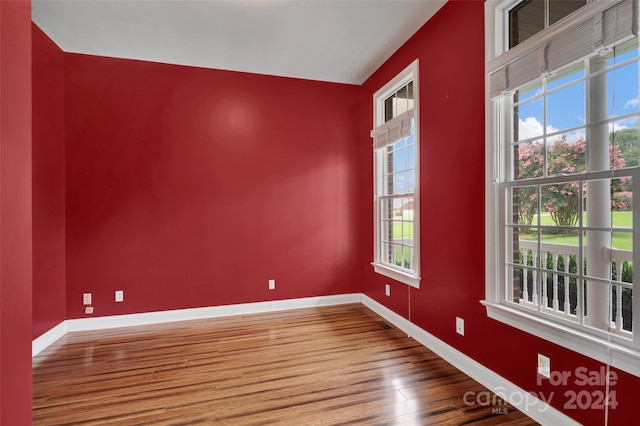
(600, 31)
(393, 130)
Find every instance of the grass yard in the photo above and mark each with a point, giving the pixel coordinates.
(619, 240)
(402, 230)
(619, 219)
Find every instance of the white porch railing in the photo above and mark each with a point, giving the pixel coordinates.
(550, 301)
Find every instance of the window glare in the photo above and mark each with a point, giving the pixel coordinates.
(529, 17)
(558, 9)
(399, 102)
(525, 20)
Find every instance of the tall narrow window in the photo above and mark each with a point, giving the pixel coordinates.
(395, 136)
(563, 146)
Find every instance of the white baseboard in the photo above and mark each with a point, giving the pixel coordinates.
(41, 342)
(535, 408)
(115, 321)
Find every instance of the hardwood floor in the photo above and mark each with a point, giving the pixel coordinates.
(319, 366)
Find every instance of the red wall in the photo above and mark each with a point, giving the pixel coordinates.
(450, 48)
(15, 212)
(49, 295)
(190, 187)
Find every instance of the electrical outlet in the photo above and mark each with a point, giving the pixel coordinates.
(460, 326)
(119, 295)
(544, 366)
(272, 284)
(387, 289)
(86, 299)
(88, 310)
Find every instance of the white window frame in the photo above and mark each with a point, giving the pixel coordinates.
(608, 350)
(411, 278)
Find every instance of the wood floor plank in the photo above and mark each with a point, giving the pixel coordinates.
(318, 366)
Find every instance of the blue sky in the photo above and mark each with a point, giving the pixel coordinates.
(566, 106)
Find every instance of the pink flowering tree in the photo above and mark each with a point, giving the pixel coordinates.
(561, 201)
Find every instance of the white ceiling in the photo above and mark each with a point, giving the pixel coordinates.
(339, 41)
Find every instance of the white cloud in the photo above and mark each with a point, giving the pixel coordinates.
(619, 126)
(632, 103)
(572, 137)
(530, 127)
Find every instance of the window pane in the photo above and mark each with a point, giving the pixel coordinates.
(619, 194)
(524, 205)
(409, 256)
(524, 246)
(407, 211)
(525, 20)
(387, 230)
(399, 168)
(622, 90)
(566, 75)
(400, 183)
(387, 209)
(389, 164)
(622, 210)
(623, 52)
(566, 108)
(387, 253)
(527, 283)
(625, 145)
(528, 160)
(388, 108)
(626, 311)
(400, 160)
(402, 102)
(388, 185)
(558, 9)
(560, 205)
(397, 255)
(564, 157)
(528, 91)
(594, 292)
(397, 208)
(411, 182)
(528, 116)
(514, 280)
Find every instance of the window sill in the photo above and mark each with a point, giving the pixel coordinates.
(608, 352)
(397, 275)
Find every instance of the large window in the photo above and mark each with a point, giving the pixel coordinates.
(562, 166)
(395, 136)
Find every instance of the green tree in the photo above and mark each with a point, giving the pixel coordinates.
(628, 142)
(561, 201)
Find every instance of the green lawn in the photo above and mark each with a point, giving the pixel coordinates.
(402, 232)
(619, 219)
(619, 240)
